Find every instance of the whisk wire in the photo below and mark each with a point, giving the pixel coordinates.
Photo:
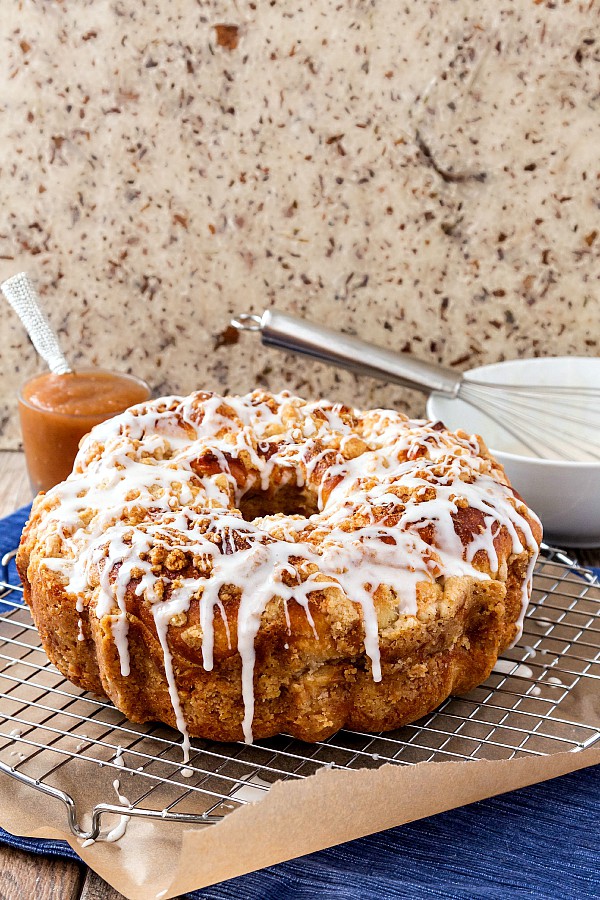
(552, 406)
(525, 413)
(524, 436)
(540, 429)
(542, 389)
(516, 433)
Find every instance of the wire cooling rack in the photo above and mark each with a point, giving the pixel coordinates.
(55, 737)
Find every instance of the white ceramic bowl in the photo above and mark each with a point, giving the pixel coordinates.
(565, 494)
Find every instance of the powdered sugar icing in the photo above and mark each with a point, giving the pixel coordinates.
(163, 483)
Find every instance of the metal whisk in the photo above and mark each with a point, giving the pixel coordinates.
(553, 421)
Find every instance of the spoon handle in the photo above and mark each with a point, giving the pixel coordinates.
(23, 298)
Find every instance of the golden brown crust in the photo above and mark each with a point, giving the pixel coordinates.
(308, 696)
(310, 678)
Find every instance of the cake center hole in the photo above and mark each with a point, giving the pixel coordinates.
(287, 499)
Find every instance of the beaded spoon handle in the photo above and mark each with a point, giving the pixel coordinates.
(23, 297)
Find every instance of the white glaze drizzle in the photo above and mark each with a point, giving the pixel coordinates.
(120, 828)
(116, 833)
(164, 475)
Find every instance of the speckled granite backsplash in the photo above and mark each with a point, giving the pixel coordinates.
(423, 174)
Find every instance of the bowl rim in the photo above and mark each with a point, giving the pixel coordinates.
(528, 460)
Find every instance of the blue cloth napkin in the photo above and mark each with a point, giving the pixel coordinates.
(541, 843)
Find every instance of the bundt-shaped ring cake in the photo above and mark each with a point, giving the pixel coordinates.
(244, 566)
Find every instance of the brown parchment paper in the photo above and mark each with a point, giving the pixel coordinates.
(156, 859)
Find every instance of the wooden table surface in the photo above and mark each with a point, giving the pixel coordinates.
(28, 877)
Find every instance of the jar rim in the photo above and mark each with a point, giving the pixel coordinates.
(84, 369)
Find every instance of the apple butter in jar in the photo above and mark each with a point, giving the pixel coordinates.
(56, 411)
